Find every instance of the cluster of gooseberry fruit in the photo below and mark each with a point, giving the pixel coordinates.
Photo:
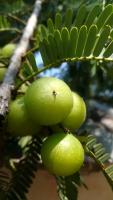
(49, 102)
(6, 52)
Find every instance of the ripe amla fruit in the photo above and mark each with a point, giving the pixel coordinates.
(48, 100)
(18, 122)
(77, 114)
(62, 154)
(8, 50)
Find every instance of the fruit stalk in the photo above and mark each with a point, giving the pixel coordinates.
(15, 63)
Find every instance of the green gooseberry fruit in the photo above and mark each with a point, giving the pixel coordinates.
(62, 154)
(8, 50)
(19, 123)
(77, 115)
(48, 100)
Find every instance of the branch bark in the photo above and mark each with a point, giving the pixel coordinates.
(15, 62)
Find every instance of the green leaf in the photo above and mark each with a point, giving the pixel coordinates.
(22, 177)
(88, 43)
(12, 6)
(81, 14)
(93, 148)
(8, 34)
(111, 34)
(91, 39)
(67, 187)
(101, 41)
(109, 20)
(43, 31)
(97, 147)
(65, 41)
(92, 15)
(81, 41)
(91, 142)
(19, 192)
(32, 61)
(104, 15)
(58, 21)
(14, 195)
(109, 169)
(4, 179)
(53, 46)
(73, 42)
(104, 158)
(109, 50)
(4, 23)
(48, 50)
(43, 53)
(50, 25)
(100, 152)
(58, 40)
(68, 18)
(26, 70)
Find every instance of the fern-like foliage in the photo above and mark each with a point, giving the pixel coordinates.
(12, 16)
(85, 37)
(7, 32)
(23, 174)
(67, 187)
(4, 22)
(14, 7)
(98, 153)
(4, 181)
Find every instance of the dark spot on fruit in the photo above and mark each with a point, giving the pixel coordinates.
(54, 93)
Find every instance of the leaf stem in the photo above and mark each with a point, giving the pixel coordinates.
(58, 62)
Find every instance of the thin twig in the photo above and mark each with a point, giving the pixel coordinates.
(17, 19)
(58, 62)
(22, 78)
(15, 63)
